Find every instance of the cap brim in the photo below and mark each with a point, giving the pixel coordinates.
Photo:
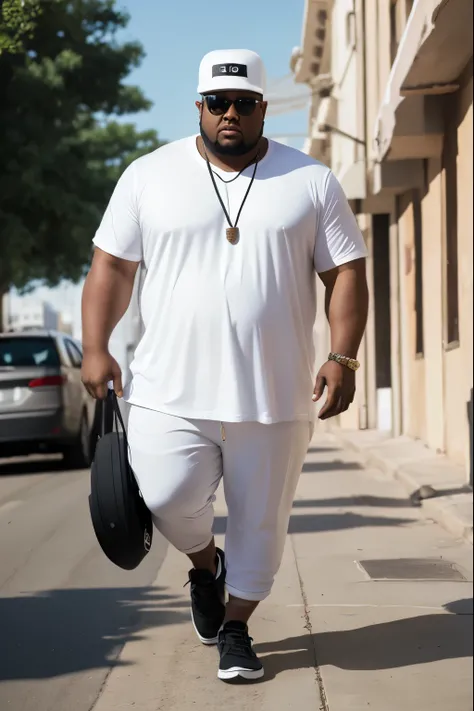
(229, 84)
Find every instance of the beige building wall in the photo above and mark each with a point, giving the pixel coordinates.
(360, 66)
(415, 366)
(384, 46)
(395, 324)
(346, 64)
(458, 361)
(374, 63)
(432, 271)
(440, 379)
(405, 256)
(430, 388)
(371, 55)
(378, 62)
(344, 150)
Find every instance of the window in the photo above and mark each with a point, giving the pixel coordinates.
(451, 294)
(322, 16)
(26, 352)
(74, 354)
(351, 29)
(393, 31)
(418, 239)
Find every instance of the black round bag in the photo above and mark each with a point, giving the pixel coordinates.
(121, 520)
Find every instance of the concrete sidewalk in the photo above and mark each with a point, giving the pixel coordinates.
(336, 634)
(448, 499)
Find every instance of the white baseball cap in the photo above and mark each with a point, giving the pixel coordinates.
(231, 70)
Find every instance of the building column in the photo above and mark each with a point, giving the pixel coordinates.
(395, 327)
(369, 339)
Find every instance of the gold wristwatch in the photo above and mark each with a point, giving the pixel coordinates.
(351, 363)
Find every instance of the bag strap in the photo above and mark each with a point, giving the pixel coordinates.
(111, 415)
(118, 416)
(106, 415)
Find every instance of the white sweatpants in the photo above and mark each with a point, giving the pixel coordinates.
(179, 464)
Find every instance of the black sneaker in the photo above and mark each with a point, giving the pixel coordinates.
(237, 656)
(208, 600)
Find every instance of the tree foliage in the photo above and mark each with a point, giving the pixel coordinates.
(62, 75)
(18, 21)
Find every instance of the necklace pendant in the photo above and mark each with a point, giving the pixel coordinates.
(232, 234)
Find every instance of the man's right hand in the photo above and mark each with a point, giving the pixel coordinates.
(97, 370)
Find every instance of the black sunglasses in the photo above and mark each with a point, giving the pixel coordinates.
(219, 105)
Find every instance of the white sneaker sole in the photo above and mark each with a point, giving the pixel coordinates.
(235, 672)
(208, 642)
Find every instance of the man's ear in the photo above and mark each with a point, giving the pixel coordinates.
(264, 108)
(199, 106)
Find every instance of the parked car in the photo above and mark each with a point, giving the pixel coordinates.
(43, 404)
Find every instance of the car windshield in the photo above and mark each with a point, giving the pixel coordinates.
(28, 352)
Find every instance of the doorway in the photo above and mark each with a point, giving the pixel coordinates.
(382, 320)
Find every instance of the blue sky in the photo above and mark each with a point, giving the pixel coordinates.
(176, 35)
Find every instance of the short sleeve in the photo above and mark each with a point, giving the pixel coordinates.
(119, 232)
(338, 237)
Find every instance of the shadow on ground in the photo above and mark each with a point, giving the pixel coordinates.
(390, 645)
(65, 631)
(323, 450)
(337, 465)
(319, 522)
(382, 502)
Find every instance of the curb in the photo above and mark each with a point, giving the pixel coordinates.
(453, 512)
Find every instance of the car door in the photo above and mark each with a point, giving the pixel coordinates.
(74, 385)
(89, 402)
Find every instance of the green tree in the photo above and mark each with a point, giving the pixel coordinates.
(60, 153)
(18, 19)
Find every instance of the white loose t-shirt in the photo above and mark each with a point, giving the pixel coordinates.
(228, 328)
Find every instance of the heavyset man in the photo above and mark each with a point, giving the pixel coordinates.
(231, 229)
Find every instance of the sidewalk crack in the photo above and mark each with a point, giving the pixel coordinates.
(309, 628)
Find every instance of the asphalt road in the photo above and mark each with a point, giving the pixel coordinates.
(65, 611)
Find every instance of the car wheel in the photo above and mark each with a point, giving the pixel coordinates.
(78, 455)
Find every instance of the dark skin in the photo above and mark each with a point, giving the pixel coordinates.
(347, 301)
(247, 132)
(109, 284)
(105, 299)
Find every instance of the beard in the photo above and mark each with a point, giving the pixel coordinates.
(239, 149)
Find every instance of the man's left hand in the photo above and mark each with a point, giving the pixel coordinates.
(340, 383)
